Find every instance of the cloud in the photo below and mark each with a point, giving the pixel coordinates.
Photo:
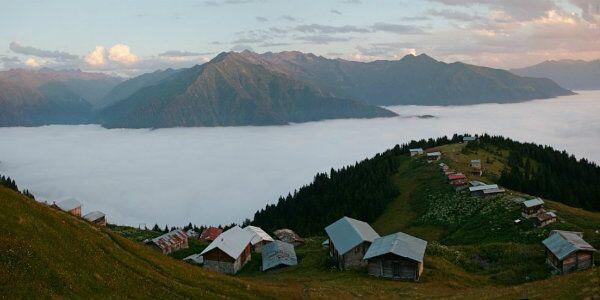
(32, 62)
(322, 39)
(335, 11)
(96, 57)
(352, 2)
(453, 15)
(228, 2)
(122, 53)
(26, 50)
(517, 9)
(289, 18)
(590, 10)
(328, 29)
(397, 28)
(179, 53)
(239, 48)
(262, 19)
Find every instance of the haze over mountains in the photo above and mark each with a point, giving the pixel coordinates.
(571, 74)
(247, 88)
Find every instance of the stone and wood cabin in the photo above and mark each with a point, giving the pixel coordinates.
(289, 236)
(532, 207)
(349, 240)
(545, 218)
(396, 256)
(434, 156)
(96, 218)
(260, 237)
(171, 241)
(229, 252)
(71, 206)
(566, 251)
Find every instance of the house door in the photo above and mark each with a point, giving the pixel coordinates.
(402, 269)
(396, 269)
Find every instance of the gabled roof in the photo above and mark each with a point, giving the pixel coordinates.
(483, 187)
(456, 176)
(416, 150)
(477, 183)
(533, 202)
(170, 238)
(211, 233)
(93, 216)
(68, 204)
(563, 243)
(494, 191)
(232, 242)
(288, 235)
(469, 138)
(258, 234)
(346, 233)
(400, 244)
(195, 258)
(278, 253)
(437, 153)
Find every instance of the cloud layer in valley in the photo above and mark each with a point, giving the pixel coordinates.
(220, 175)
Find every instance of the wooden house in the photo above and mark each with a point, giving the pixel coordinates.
(434, 156)
(278, 254)
(416, 151)
(289, 236)
(229, 252)
(210, 234)
(396, 256)
(71, 206)
(475, 165)
(96, 218)
(349, 240)
(532, 207)
(467, 139)
(545, 218)
(566, 251)
(171, 241)
(486, 190)
(260, 237)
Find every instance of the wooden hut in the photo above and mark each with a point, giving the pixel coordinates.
(475, 165)
(289, 236)
(532, 207)
(434, 156)
(545, 218)
(229, 252)
(260, 237)
(566, 251)
(171, 241)
(396, 256)
(96, 218)
(210, 234)
(349, 240)
(416, 151)
(278, 254)
(71, 206)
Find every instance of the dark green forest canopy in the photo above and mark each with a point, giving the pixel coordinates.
(361, 191)
(546, 172)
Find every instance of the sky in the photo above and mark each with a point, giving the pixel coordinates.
(224, 174)
(131, 37)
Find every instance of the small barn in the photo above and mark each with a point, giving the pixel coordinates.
(210, 234)
(289, 236)
(416, 151)
(278, 254)
(434, 156)
(229, 252)
(545, 218)
(467, 139)
(396, 256)
(475, 165)
(566, 251)
(96, 218)
(71, 206)
(260, 237)
(485, 190)
(532, 207)
(349, 240)
(171, 241)
(493, 192)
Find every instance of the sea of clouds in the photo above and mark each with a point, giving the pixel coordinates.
(221, 175)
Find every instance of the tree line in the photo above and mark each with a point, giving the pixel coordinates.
(9, 183)
(360, 191)
(546, 172)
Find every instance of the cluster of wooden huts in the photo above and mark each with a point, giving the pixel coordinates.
(354, 244)
(73, 207)
(460, 181)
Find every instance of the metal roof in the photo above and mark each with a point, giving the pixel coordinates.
(483, 187)
(563, 243)
(494, 191)
(533, 202)
(170, 238)
(477, 183)
(416, 150)
(278, 253)
(469, 138)
(288, 235)
(68, 204)
(259, 235)
(211, 233)
(346, 233)
(93, 216)
(195, 258)
(400, 244)
(437, 153)
(232, 242)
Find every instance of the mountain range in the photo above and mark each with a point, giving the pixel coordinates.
(247, 88)
(572, 74)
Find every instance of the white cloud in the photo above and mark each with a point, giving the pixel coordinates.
(122, 53)
(96, 57)
(32, 62)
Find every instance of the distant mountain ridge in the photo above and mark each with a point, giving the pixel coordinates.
(572, 74)
(231, 90)
(416, 80)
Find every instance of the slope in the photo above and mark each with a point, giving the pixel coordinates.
(572, 74)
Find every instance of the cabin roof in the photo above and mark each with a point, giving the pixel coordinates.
(93, 216)
(68, 204)
(282, 233)
(258, 234)
(436, 153)
(278, 253)
(494, 191)
(469, 138)
(483, 187)
(170, 238)
(563, 243)
(196, 258)
(211, 233)
(400, 244)
(232, 242)
(416, 150)
(347, 233)
(533, 202)
(456, 176)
